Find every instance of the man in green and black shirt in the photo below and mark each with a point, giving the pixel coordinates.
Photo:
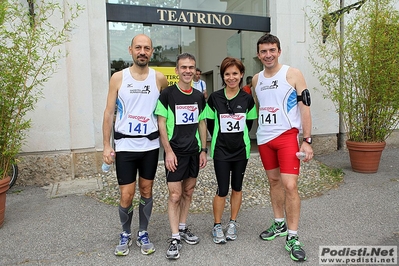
(182, 130)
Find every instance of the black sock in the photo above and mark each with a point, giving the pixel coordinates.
(125, 215)
(145, 210)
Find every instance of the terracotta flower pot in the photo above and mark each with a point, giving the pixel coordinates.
(365, 156)
(4, 186)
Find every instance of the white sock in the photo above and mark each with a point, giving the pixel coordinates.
(182, 226)
(279, 220)
(292, 233)
(176, 236)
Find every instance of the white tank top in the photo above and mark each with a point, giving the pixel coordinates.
(278, 106)
(135, 112)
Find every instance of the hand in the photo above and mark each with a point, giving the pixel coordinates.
(203, 160)
(170, 161)
(108, 155)
(307, 149)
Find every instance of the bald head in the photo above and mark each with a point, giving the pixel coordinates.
(141, 50)
(141, 38)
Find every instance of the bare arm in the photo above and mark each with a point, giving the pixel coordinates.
(170, 157)
(203, 136)
(205, 94)
(254, 82)
(162, 82)
(108, 119)
(296, 79)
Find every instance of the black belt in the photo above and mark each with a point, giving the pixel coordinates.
(152, 136)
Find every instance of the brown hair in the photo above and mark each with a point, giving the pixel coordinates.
(228, 62)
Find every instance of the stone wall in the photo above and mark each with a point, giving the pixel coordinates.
(43, 169)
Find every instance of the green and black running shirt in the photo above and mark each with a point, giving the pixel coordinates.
(182, 111)
(230, 136)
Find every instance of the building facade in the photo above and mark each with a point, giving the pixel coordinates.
(65, 141)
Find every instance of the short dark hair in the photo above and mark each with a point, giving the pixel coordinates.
(184, 56)
(228, 62)
(199, 70)
(249, 79)
(268, 38)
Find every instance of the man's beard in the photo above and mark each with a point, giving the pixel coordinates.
(141, 63)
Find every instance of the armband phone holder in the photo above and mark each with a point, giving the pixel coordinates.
(304, 97)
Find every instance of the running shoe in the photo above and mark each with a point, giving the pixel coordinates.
(173, 251)
(144, 243)
(124, 243)
(218, 235)
(188, 236)
(293, 246)
(276, 229)
(231, 233)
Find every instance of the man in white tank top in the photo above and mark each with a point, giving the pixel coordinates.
(281, 118)
(198, 83)
(135, 91)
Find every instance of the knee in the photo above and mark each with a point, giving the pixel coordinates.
(126, 198)
(222, 192)
(274, 182)
(146, 191)
(188, 192)
(174, 197)
(291, 188)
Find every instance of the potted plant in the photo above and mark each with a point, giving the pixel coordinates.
(357, 64)
(28, 58)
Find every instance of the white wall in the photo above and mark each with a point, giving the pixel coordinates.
(289, 24)
(69, 117)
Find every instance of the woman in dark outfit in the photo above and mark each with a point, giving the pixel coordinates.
(230, 112)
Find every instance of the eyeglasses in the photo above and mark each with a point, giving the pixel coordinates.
(229, 110)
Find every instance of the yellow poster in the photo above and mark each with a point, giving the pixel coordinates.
(169, 73)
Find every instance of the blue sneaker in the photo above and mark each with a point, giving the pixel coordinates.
(124, 243)
(144, 243)
(218, 235)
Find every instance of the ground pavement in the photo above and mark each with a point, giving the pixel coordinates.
(78, 230)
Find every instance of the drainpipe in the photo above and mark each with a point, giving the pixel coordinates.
(341, 127)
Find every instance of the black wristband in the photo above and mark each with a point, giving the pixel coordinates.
(204, 150)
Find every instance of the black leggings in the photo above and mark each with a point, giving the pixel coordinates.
(222, 171)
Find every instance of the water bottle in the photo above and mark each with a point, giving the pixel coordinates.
(106, 167)
(300, 155)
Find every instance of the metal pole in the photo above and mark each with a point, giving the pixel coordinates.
(342, 133)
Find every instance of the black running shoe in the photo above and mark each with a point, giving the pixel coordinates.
(293, 246)
(173, 251)
(276, 229)
(188, 236)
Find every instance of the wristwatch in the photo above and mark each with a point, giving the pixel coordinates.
(204, 149)
(308, 140)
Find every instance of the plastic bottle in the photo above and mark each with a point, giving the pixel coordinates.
(106, 167)
(300, 155)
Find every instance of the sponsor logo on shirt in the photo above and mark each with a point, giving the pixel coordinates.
(235, 117)
(273, 86)
(269, 109)
(146, 89)
(187, 107)
(139, 118)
